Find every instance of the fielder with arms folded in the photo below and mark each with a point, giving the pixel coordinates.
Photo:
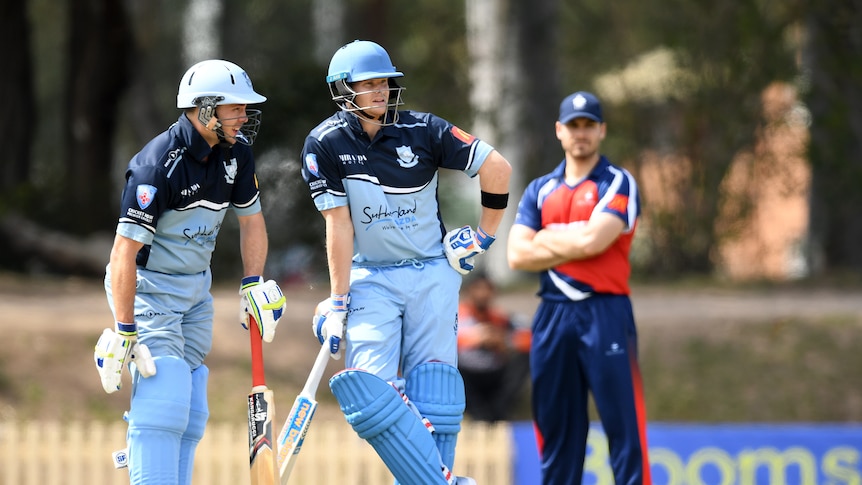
(575, 226)
(395, 273)
(178, 189)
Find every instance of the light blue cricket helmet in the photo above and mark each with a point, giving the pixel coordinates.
(362, 60)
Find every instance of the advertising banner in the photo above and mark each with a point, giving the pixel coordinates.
(723, 454)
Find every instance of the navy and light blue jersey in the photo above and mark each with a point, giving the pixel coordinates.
(389, 183)
(548, 202)
(177, 192)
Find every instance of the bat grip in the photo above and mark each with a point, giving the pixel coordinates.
(257, 373)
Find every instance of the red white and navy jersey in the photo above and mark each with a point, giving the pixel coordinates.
(548, 202)
(177, 192)
(389, 183)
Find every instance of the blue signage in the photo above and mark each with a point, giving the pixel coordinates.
(723, 454)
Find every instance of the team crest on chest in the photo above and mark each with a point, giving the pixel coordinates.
(230, 171)
(406, 158)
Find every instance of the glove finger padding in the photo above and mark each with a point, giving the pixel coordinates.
(142, 358)
(462, 245)
(329, 324)
(265, 302)
(111, 353)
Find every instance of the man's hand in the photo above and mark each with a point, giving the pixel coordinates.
(330, 322)
(114, 350)
(264, 301)
(462, 245)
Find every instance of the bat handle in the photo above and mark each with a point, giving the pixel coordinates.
(257, 373)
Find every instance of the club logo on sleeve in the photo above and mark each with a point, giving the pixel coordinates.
(406, 158)
(145, 195)
(311, 164)
(619, 203)
(462, 135)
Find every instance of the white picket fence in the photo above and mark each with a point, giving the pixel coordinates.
(79, 453)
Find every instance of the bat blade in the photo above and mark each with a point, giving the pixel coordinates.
(292, 434)
(261, 414)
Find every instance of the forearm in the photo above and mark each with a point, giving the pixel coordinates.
(254, 244)
(123, 275)
(494, 179)
(339, 249)
(525, 255)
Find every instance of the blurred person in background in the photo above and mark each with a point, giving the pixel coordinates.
(575, 226)
(178, 189)
(493, 352)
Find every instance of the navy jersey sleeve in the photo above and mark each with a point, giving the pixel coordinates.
(459, 150)
(145, 197)
(529, 212)
(321, 171)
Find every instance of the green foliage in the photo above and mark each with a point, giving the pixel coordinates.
(724, 54)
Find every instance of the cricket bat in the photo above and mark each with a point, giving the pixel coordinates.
(261, 413)
(296, 426)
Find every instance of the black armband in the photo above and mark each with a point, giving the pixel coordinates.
(495, 201)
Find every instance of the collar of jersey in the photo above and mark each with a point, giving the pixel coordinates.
(560, 171)
(198, 148)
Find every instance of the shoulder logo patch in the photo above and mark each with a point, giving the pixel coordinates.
(462, 135)
(311, 164)
(145, 195)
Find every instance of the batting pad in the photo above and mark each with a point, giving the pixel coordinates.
(198, 415)
(379, 415)
(158, 417)
(437, 391)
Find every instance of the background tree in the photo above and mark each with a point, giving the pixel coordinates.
(833, 49)
(100, 41)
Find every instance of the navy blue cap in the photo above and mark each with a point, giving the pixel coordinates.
(580, 105)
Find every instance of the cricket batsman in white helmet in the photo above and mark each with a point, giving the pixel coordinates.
(178, 189)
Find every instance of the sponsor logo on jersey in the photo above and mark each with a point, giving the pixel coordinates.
(311, 164)
(406, 158)
(462, 135)
(187, 192)
(230, 170)
(401, 217)
(145, 194)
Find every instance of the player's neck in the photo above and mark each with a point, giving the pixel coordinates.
(578, 168)
(370, 128)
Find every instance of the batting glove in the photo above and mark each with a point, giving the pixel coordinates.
(330, 322)
(114, 350)
(462, 245)
(262, 300)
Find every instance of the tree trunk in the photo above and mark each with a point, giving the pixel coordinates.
(835, 102)
(19, 122)
(100, 47)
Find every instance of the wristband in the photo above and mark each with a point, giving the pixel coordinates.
(127, 329)
(484, 238)
(339, 302)
(250, 281)
(495, 201)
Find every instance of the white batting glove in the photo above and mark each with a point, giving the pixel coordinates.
(264, 301)
(330, 322)
(462, 245)
(115, 350)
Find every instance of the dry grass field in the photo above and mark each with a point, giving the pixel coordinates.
(708, 353)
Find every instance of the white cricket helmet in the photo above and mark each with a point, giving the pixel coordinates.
(214, 82)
